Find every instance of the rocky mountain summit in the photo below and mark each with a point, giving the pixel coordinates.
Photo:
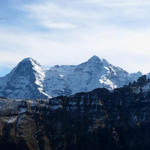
(28, 80)
(100, 119)
(24, 81)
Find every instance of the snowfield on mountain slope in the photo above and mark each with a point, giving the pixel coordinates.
(95, 73)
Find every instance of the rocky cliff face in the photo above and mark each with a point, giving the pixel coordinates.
(101, 119)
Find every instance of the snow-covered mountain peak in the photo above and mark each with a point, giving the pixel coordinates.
(29, 61)
(29, 80)
(95, 63)
(96, 59)
(28, 66)
(24, 81)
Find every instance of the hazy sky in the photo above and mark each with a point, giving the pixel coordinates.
(71, 31)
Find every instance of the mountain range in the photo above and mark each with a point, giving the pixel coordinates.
(114, 116)
(100, 119)
(29, 80)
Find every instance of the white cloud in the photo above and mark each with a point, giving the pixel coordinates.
(58, 25)
(119, 3)
(120, 47)
(123, 9)
(86, 29)
(52, 15)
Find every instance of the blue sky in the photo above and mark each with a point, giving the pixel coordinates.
(70, 32)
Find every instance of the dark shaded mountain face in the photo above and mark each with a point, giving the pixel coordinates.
(28, 80)
(101, 119)
(24, 81)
